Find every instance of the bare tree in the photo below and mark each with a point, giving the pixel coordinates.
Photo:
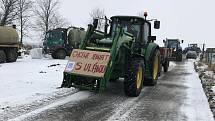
(8, 11)
(58, 21)
(98, 13)
(47, 16)
(24, 14)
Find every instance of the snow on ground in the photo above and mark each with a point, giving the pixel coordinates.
(196, 98)
(73, 98)
(29, 80)
(171, 65)
(36, 53)
(207, 79)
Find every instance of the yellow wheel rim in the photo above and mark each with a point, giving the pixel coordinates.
(155, 67)
(139, 77)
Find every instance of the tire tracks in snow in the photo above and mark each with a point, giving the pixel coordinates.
(78, 96)
(18, 110)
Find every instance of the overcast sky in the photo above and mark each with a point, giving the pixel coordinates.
(190, 20)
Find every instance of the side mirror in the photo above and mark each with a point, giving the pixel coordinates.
(164, 41)
(95, 23)
(157, 24)
(182, 41)
(151, 38)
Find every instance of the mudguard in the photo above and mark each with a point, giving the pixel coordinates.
(148, 55)
(150, 50)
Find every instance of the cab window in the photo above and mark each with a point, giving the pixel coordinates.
(146, 32)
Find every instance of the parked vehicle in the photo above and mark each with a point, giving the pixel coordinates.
(192, 47)
(61, 41)
(9, 44)
(127, 50)
(191, 55)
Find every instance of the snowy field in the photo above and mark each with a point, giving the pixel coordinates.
(29, 80)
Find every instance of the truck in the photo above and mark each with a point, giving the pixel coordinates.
(60, 42)
(125, 49)
(174, 44)
(9, 44)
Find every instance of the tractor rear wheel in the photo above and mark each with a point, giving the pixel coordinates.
(2, 56)
(53, 55)
(179, 56)
(154, 69)
(60, 54)
(11, 55)
(166, 66)
(113, 80)
(134, 77)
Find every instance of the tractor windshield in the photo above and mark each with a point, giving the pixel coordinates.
(54, 38)
(128, 26)
(54, 35)
(172, 44)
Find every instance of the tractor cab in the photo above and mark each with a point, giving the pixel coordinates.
(173, 43)
(193, 45)
(55, 37)
(134, 27)
(129, 25)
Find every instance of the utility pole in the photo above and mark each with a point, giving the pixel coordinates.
(203, 49)
(203, 52)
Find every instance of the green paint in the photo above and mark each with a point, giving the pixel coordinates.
(122, 43)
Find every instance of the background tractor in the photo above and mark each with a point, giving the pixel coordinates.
(192, 47)
(125, 49)
(174, 44)
(61, 41)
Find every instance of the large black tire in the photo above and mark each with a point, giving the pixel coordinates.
(2, 56)
(179, 56)
(165, 66)
(154, 69)
(53, 55)
(134, 77)
(60, 54)
(114, 80)
(11, 55)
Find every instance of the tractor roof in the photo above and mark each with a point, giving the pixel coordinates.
(128, 17)
(172, 39)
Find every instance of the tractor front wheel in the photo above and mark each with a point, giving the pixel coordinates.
(60, 54)
(134, 77)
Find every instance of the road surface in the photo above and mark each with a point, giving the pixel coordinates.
(177, 97)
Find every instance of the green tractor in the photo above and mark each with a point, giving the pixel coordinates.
(127, 51)
(60, 42)
(175, 44)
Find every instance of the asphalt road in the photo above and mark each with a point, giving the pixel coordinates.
(177, 97)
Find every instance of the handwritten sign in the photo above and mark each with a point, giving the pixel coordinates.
(86, 62)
